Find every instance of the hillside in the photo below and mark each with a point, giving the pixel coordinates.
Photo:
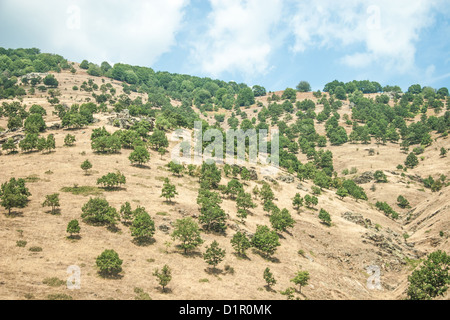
(336, 257)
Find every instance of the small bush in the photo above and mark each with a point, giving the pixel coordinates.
(21, 243)
(53, 282)
(35, 249)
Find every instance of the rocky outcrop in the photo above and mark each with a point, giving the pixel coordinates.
(358, 219)
(366, 177)
(123, 120)
(287, 179)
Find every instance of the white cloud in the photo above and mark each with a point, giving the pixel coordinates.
(388, 30)
(115, 30)
(239, 37)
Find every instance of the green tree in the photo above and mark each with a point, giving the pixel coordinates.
(50, 143)
(143, 227)
(245, 97)
(210, 176)
(342, 192)
(29, 143)
(244, 201)
(266, 193)
(311, 201)
(162, 151)
(265, 240)
(214, 254)
(126, 213)
(34, 123)
(86, 166)
(301, 279)
(443, 152)
(176, 168)
(411, 161)
(140, 155)
(98, 212)
(431, 279)
(169, 190)
(402, 202)
(212, 216)
(325, 217)
(297, 202)
(304, 86)
(234, 187)
(73, 227)
(69, 140)
(84, 64)
(289, 94)
(109, 263)
(269, 278)
(51, 81)
(380, 176)
(240, 243)
(281, 220)
(9, 146)
(14, 122)
(158, 139)
(14, 194)
(112, 180)
(340, 93)
(52, 201)
(259, 91)
(164, 276)
(187, 231)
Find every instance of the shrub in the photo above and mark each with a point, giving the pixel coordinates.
(187, 231)
(112, 180)
(240, 243)
(142, 227)
(431, 279)
(387, 209)
(98, 211)
(69, 140)
(164, 276)
(402, 202)
(73, 227)
(109, 263)
(380, 176)
(325, 217)
(265, 240)
(21, 243)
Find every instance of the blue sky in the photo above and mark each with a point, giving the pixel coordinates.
(273, 43)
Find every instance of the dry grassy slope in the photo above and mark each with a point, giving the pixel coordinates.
(336, 257)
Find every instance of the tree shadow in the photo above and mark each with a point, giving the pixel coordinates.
(110, 276)
(113, 189)
(14, 214)
(189, 254)
(270, 289)
(280, 235)
(144, 242)
(164, 291)
(74, 237)
(112, 228)
(241, 256)
(141, 166)
(266, 256)
(56, 212)
(213, 271)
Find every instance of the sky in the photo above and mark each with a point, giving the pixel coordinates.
(273, 43)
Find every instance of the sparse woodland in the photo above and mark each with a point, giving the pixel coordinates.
(364, 180)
